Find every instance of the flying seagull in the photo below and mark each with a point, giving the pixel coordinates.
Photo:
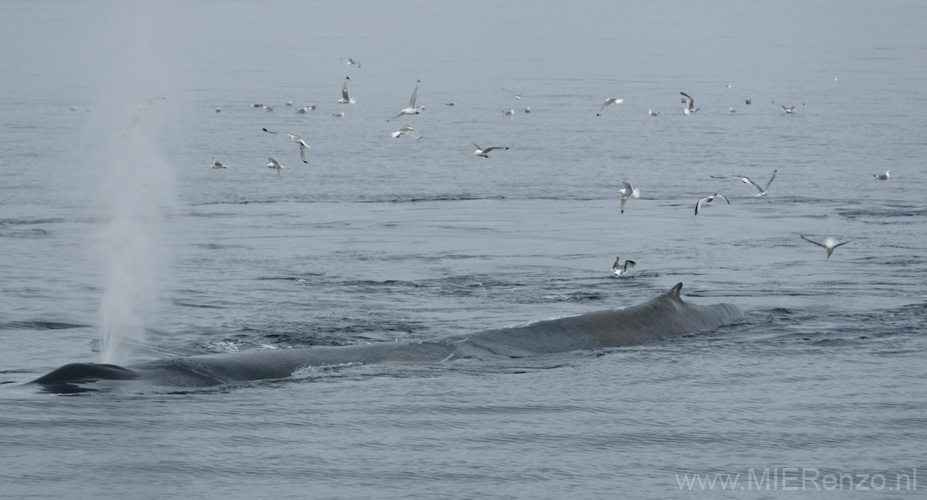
(690, 108)
(883, 177)
(746, 180)
(788, 110)
(345, 98)
(407, 130)
(303, 147)
(829, 244)
(485, 152)
(609, 101)
(516, 94)
(272, 163)
(708, 199)
(352, 61)
(411, 110)
(618, 270)
(626, 192)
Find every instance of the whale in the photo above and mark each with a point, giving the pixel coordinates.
(666, 315)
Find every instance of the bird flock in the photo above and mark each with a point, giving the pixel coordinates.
(626, 192)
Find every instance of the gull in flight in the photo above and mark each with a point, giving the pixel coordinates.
(272, 163)
(345, 98)
(653, 113)
(407, 130)
(412, 109)
(746, 180)
(709, 199)
(618, 270)
(350, 61)
(627, 192)
(829, 244)
(788, 110)
(303, 147)
(690, 108)
(217, 164)
(485, 152)
(608, 102)
(883, 177)
(516, 94)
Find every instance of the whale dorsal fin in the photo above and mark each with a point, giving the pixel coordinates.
(674, 292)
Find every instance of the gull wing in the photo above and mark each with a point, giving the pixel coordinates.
(812, 241)
(688, 98)
(344, 89)
(303, 152)
(771, 179)
(414, 94)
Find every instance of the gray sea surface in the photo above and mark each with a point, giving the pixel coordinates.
(116, 236)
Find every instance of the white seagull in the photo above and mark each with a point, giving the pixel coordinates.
(345, 98)
(731, 110)
(338, 115)
(218, 109)
(412, 109)
(708, 199)
(626, 192)
(883, 177)
(272, 163)
(790, 109)
(748, 101)
(516, 94)
(690, 108)
(407, 130)
(352, 61)
(618, 270)
(746, 180)
(303, 111)
(485, 152)
(303, 147)
(289, 103)
(829, 244)
(653, 113)
(217, 164)
(510, 112)
(608, 102)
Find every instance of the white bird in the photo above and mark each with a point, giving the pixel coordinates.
(608, 102)
(788, 110)
(709, 199)
(338, 115)
(731, 110)
(653, 113)
(74, 108)
(626, 192)
(289, 103)
(272, 163)
(690, 104)
(748, 101)
(407, 130)
(412, 109)
(345, 98)
(352, 61)
(510, 112)
(268, 108)
(618, 270)
(883, 177)
(730, 85)
(516, 94)
(485, 152)
(303, 111)
(527, 110)
(829, 244)
(218, 109)
(303, 147)
(835, 78)
(217, 164)
(746, 180)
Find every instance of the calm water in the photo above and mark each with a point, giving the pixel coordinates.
(111, 220)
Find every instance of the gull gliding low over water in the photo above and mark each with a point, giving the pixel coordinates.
(708, 199)
(788, 110)
(272, 163)
(303, 147)
(627, 192)
(690, 104)
(829, 244)
(516, 94)
(618, 270)
(485, 152)
(412, 109)
(407, 130)
(746, 180)
(608, 102)
(345, 98)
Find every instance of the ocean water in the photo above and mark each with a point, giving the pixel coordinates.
(117, 237)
